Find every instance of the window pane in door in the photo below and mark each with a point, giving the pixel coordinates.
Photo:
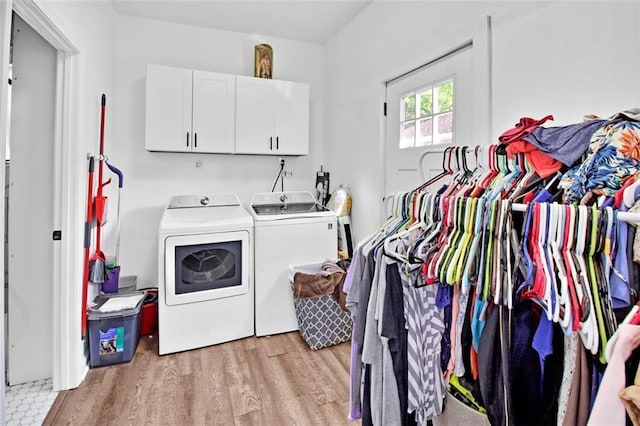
(425, 132)
(426, 102)
(444, 128)
(445, 97)
(408, 107)
(407, 134)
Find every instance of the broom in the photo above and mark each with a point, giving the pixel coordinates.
(97, 270)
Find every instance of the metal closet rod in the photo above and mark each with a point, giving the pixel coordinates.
(430, 151)
(623, 216)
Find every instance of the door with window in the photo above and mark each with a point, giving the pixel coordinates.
(428, 109)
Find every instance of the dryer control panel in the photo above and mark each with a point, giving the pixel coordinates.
(191, 201)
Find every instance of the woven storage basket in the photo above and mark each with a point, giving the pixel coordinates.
(321, 321)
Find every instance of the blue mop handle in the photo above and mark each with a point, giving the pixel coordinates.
(117, 171)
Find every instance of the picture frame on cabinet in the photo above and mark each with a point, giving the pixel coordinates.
(263, 66)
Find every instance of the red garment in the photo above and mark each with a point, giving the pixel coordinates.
(474, 363)
(537, 289)
(473, 356)
(618, 198)
(529, 197)
(541, 162)
(522, 129)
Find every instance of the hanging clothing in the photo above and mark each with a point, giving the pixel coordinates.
(542, 163)
(579, 403)
(522, 129)
(565, 143)
(515, 309)
(612, 157)
(608, 407)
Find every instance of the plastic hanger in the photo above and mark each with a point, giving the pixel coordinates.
(446, 271)
(569, 267)
(446, 171)
(459, 258)
(565, 299)
(470, 269)
(500, 254)
(548, 297)
(588, 327)
(510, 232)
(557, 296)
(597, 293)
(487, 264)
(430, 271)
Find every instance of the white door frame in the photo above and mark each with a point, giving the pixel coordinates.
(69, 359)
(5, 35)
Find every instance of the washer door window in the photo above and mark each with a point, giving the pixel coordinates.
(206, 266)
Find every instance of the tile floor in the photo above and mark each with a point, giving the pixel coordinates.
(28, 403)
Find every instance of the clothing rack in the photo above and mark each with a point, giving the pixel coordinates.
(562, 268)
(516, 207)
(520, 207)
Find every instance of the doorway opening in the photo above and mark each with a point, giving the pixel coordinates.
(67, 351)
(28, 249)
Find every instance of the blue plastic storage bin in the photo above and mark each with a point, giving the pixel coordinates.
(113, 336)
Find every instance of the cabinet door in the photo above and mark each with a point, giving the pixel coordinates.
(213, 112)
(168, 109)
(291, 123)
(254, 116)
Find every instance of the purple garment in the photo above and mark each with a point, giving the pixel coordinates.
(619, 277)
(443, 296)
(543, 343)
(608, 202)
(355, 412)
(565, 143)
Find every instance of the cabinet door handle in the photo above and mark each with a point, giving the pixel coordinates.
(277, 142)
(271, 142)
(195, 140)
(187, 139)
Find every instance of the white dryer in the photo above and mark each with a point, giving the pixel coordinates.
(291, 228)
(205, 272)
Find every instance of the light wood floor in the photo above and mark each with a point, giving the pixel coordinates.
(273, 380)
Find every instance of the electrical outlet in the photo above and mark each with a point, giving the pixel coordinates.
(288, 173)
(199, 164)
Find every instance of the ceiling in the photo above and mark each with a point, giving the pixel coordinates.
(302, 20)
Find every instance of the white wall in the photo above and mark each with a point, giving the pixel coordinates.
(565, 58)
(151, 178)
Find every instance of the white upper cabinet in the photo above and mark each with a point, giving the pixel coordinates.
(189, 111)
(272, 117)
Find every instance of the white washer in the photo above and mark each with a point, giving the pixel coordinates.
(291, 228)
(205, 272)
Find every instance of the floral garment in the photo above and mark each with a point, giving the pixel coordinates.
(613, 157)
